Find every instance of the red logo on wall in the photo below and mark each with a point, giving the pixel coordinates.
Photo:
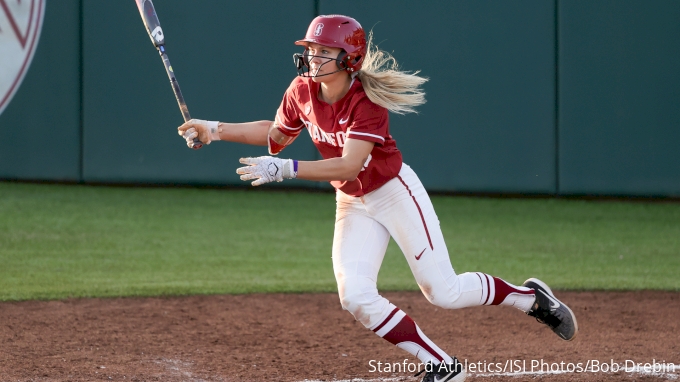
(20, 25)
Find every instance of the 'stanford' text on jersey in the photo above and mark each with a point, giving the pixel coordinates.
(330, 126)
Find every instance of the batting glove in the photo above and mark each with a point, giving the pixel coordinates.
(206, 131)
(267, 169)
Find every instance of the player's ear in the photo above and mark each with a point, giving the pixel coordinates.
(342, 59)
(299, 61)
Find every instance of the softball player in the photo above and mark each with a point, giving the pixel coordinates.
(342, 96)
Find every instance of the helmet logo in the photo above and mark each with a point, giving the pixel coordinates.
(318, 29)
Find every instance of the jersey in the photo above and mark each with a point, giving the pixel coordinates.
(352, 117)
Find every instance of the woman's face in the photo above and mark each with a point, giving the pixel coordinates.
(322, 63)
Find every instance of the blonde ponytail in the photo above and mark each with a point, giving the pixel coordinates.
(387, 86)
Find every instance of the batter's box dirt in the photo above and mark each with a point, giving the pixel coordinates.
(297, 337)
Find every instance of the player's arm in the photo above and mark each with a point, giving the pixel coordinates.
(345, 168)
(267, 169)
(258, 133)
(251, 133)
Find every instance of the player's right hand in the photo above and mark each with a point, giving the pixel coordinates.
(206, 131)
(267, 169)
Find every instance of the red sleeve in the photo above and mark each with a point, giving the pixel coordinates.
(288, 115)
(369, 122)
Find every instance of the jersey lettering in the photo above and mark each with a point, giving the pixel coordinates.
(314, 133)
(318, 135)
(329, 138)
(308, 125)
(340, 138)
(328, 128)
(368, 160)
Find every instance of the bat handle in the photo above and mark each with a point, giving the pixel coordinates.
(185, 111)
(197, 144)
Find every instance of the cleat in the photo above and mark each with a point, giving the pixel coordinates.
(550, 311)
(443, 373)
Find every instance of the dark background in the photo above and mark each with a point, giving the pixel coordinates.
(553, 97)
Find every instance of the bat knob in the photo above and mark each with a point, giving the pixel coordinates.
(197, 144)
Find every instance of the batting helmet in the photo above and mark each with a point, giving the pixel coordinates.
(337, 31)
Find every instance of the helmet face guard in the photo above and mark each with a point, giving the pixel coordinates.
(301, 61)
(334, 31)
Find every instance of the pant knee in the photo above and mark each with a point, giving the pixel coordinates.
(443, 299)
(362, 300)
(437, 296)
(464, 291)
(354, 305)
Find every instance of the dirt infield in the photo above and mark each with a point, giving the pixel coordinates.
(297, 337)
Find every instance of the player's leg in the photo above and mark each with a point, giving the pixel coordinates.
(359, 246)
(414, 225)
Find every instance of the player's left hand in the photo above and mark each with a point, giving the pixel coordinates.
(267, 169)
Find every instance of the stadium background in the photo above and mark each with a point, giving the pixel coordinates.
(565, 97)
(552, 98)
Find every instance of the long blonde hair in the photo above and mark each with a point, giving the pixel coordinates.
(386, 85)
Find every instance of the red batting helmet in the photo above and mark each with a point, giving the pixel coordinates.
(337, 31)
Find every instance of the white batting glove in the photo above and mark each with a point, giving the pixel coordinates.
(206, 131)
(267, 169)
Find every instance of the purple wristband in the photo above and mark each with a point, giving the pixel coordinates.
(295, 166)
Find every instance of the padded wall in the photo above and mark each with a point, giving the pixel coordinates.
(233, 61)
(619, 97)
(488, 124)
(96, 105)
(40, 128)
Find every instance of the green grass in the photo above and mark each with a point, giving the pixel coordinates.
(60, 241)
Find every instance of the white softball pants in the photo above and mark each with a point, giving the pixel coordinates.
(363, 225)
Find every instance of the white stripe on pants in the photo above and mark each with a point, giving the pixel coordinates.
(363, 225)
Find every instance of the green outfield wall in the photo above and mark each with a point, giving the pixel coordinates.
(560, 97)
(619, 97)
(40, 130)
(489, 122)
(233, 61)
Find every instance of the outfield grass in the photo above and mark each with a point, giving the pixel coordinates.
(60, 241)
